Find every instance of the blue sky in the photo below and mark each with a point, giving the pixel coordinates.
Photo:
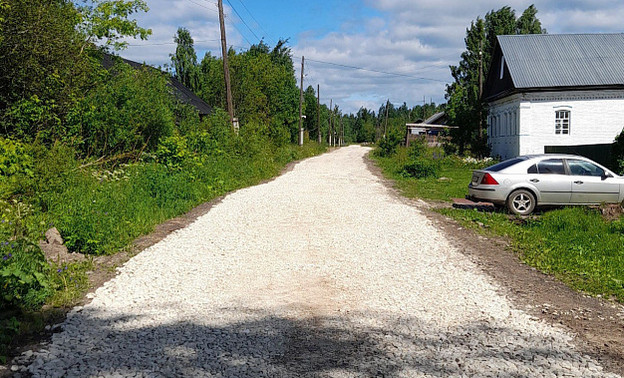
(414, 39)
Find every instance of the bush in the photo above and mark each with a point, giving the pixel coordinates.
(173, 152)
(388, 146)
(418, 147)
(16, 166)
(421, 168)
(131, 109)
(24, 275)
(617, 154)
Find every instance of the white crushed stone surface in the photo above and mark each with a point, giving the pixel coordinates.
(322, 272)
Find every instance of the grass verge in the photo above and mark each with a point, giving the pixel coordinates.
(576, 244)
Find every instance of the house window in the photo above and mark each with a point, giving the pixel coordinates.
(562, 122)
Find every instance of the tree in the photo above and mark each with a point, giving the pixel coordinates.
(41, 55)
(184, 60)
(108, 21)
(528, 22)
(309, 106)
(49, 61)
(465, 107)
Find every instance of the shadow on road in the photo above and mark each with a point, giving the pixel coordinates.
(360, 345)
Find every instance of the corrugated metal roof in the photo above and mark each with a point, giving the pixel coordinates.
(564, 60)
(181, 92)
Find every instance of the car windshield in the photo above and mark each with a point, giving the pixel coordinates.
(505, 164)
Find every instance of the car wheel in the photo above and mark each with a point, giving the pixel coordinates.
(521, 202)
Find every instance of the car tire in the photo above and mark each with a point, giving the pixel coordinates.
(521, 202)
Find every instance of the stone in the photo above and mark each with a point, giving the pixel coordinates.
(55, 251)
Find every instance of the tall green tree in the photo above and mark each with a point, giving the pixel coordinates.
(309, 110)
(185, 60)
(49, 60)
(528, 23)
(108, 21)
(465, 107)
(264, 88)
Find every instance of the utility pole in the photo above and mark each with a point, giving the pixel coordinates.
(226, 69)
(318, 111)
(386, 123)
(301, 105)
(480, 88)
(329, 129)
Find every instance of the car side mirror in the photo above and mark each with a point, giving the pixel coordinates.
(606, 176)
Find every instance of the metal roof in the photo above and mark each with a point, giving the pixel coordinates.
(564, 60)
(180, 91)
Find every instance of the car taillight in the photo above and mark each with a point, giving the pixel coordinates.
(488, 180)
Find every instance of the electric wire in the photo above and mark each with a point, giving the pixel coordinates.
(203, 6)
(256, 21)
(375, 71)
(242, 20)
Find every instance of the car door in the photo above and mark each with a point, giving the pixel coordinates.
(549, 177)
(590, 185)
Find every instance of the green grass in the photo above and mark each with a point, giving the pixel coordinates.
(451, 182)
(576, 245)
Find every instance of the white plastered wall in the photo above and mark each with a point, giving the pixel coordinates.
(596, 117)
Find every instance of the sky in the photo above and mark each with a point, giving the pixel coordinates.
(360, 52)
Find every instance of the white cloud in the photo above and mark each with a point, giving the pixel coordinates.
(419, 39)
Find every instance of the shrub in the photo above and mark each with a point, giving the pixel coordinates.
(617, 153)
(131, 109)
(16, 166)
(388, 146)
(173, 152)
(418, 147)
(421, 168)
(24, 275)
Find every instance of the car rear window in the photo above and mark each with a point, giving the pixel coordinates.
(505, 164)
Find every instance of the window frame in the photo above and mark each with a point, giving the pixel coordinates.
(563, 124)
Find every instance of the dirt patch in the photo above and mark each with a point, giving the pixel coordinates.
(597, 323)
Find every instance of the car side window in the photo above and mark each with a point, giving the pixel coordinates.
(551, 167)
(584, 168)
(532, 169)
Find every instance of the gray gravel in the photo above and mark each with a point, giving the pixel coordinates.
(321, 272)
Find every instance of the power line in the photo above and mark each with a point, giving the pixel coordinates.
(243, 21)
(203, 6)
(375, 71)
(253, 18)
(172, 43)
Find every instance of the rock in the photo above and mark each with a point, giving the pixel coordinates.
(55, 251)
(14, 368)
(53, 236)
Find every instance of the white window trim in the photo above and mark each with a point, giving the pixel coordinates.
(567, 109)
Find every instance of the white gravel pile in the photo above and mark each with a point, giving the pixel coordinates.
(321, 272)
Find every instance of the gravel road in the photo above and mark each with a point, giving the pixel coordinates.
(322, 272)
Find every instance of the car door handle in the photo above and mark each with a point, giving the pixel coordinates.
(578, 182)
(534, 180)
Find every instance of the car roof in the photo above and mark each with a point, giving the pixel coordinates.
(563, 156)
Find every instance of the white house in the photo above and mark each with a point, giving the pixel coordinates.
(555, 93)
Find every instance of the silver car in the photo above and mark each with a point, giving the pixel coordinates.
(524, 182)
